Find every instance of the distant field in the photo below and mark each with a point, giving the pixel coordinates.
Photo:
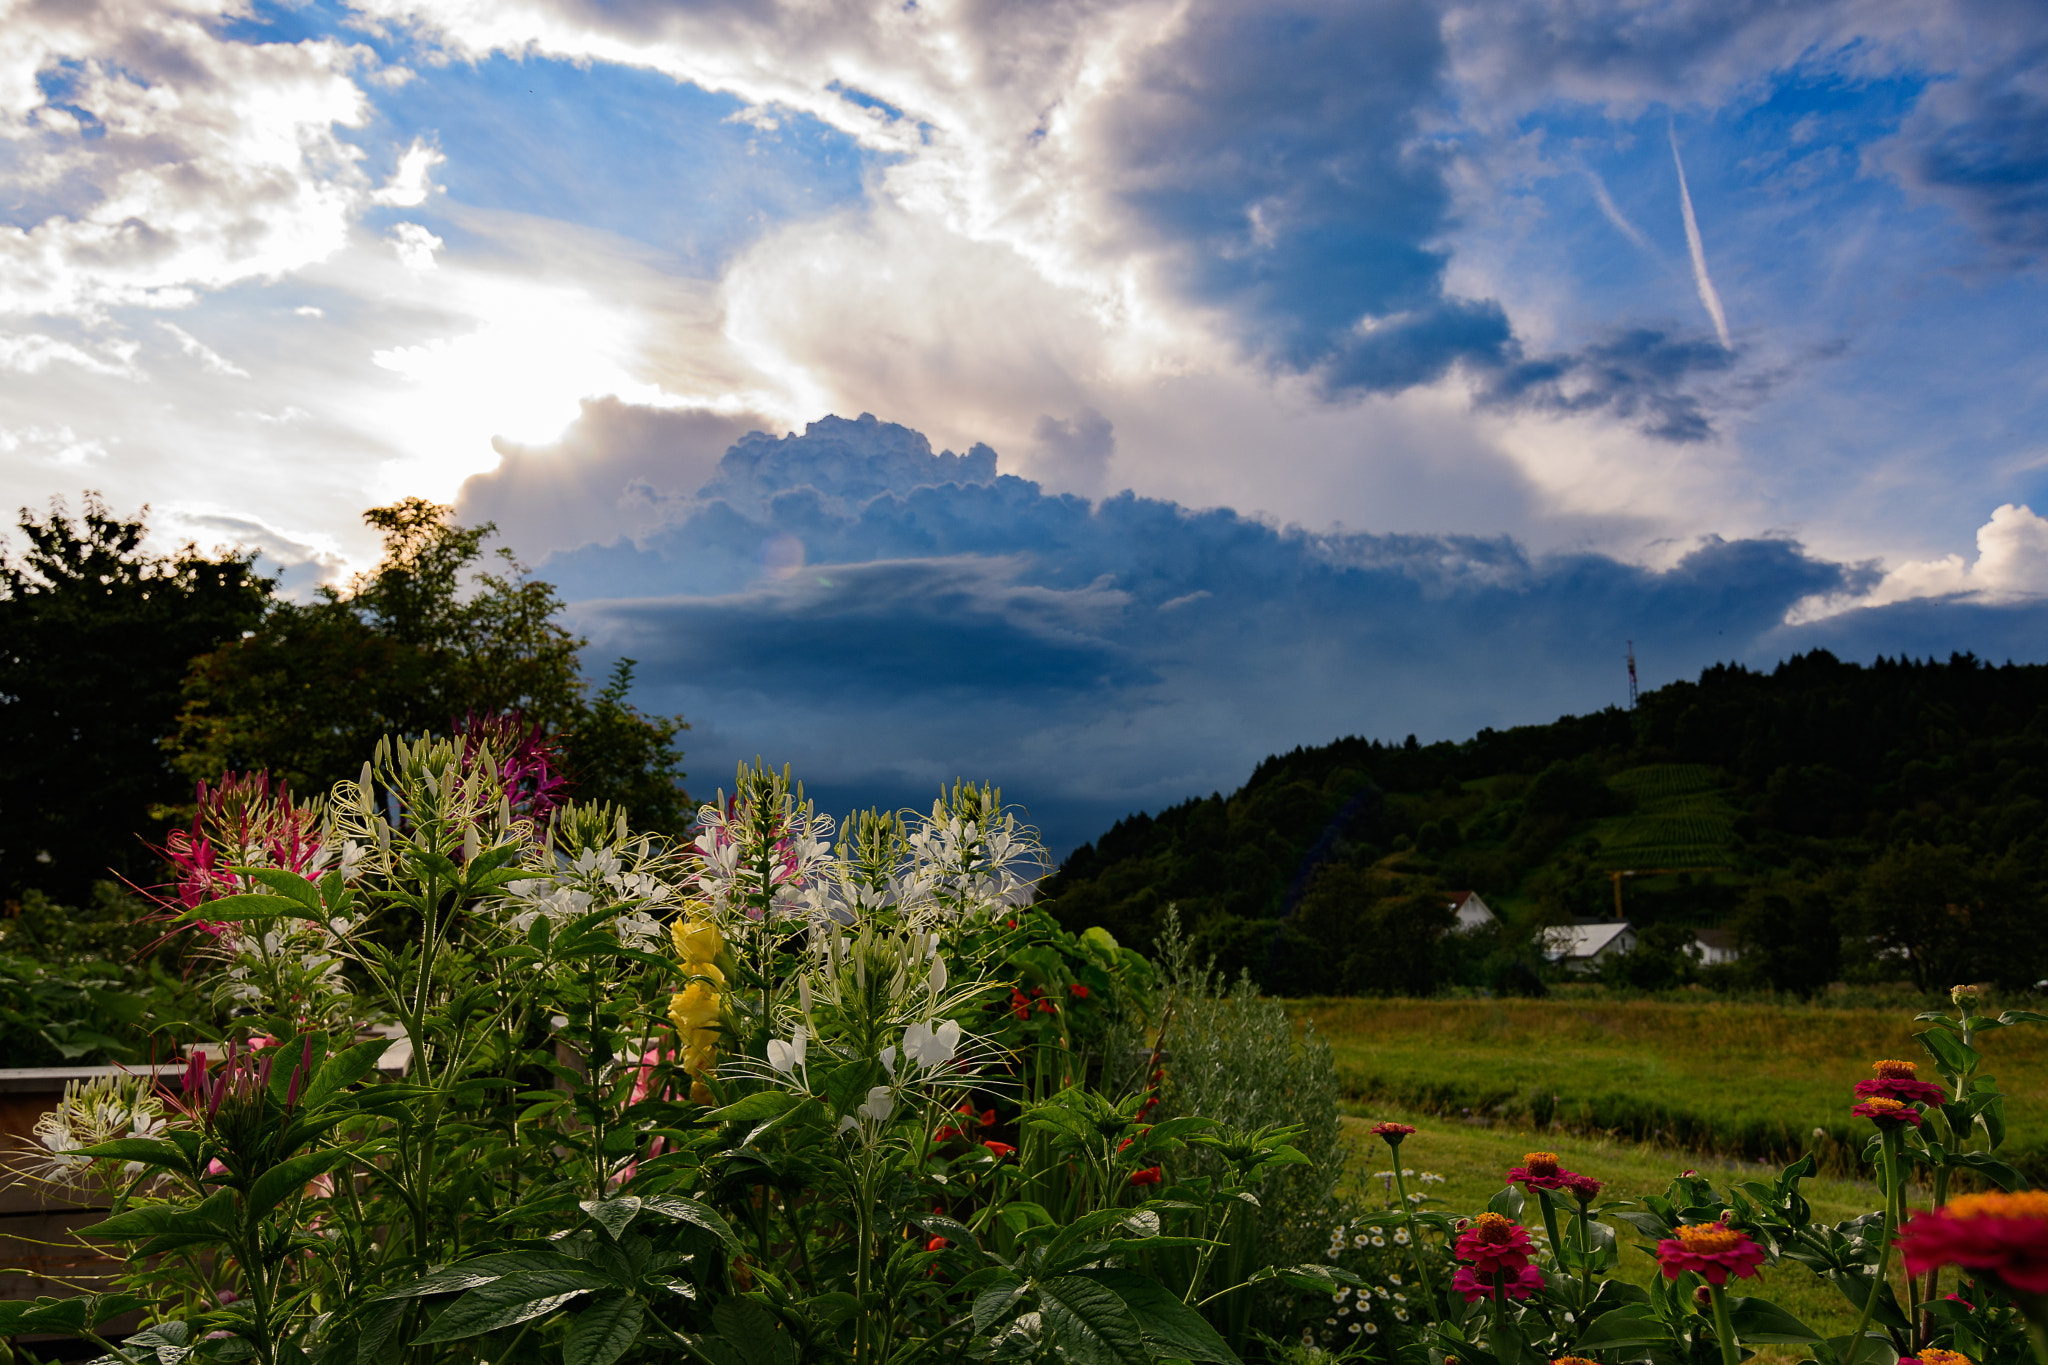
(1749, 1081)
(1474, 1160)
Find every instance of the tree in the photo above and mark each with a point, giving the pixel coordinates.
(95, 634)
(415, 646)
(1789, 937)
(618, 754)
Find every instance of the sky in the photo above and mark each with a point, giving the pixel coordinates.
(1141, 386)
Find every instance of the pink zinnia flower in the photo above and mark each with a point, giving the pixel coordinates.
(1583, 1188)
(1898, 1081)
(1495, 1243)
(1887, 1113)
(1713, 1251)
(1997, 1234)
(1519, 1284)
(1539, 1171)
(1392, 1132)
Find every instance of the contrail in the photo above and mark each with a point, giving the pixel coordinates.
(1614, 214)
(1699, 252)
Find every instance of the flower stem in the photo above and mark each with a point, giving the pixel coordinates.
(1724, 1328)
(1586, 1249)
(1414, 1238)
(1884, 1254)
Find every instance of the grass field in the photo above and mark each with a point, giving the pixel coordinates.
(1473, 1161)
(1736, 1080)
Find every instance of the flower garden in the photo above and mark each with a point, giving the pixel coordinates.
(509, 1081)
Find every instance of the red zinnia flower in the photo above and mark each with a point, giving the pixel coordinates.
(1934, 1355)
(1539, 1171)
(2004, 1235)
(1148, 1176)
(1000, 1149)
(1583, 1188)
(1897, 1081)
(1392, 1132)
(1020, 1004)
(1887, 1113)
(1495, 1243)
(937, 1244)
(1080, 992)
(1519, 1284)
(1714, 1251)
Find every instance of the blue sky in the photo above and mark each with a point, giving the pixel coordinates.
(1346, 367)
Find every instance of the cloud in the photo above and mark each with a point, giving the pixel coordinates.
(2011, 566)
(211, 360)
(409, 185)
(160, 158)
(34, 352)
(415, 246)
(1640, 374)
(1709, 296)
(886, 616)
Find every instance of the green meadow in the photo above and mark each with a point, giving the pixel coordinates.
(1747, 1081)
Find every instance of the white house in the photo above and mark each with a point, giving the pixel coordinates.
(1712, 947)
(1584, 947)
(1471, 911)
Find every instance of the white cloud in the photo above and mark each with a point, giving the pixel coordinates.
(212, 360)
(2011, 566)
(33, 352)
(409, 186)
(58, 446)
(415, 246)
(179, 160)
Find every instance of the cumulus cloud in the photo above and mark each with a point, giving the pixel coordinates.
(2011, 565)
(887, 616)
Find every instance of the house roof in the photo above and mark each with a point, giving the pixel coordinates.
(1583, 940)
(1716, 938)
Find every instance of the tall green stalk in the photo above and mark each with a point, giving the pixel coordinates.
(1888, 1139)
(1414, 1237)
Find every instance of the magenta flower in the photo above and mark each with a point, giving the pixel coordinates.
(1899, 1081)
(1519, 1284)
(1713, 1251)
(1887, 1113)
(1539, 1171)
(1495, 1243)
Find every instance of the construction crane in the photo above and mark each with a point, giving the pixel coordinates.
(1616, 877)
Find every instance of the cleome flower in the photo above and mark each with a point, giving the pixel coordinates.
(1495, 1243)
(1997, 1234)
(1898, 1081)
(1887, 1113)
(1539, 1171)
(1713, 1251)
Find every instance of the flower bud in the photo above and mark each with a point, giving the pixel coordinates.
(1963, 996)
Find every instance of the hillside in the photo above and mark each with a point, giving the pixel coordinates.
(1846, 822)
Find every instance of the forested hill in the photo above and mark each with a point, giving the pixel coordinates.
(1842, 821)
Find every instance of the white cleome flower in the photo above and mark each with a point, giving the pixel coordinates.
(787, 1057)
(880, 1103)
(928, 1046)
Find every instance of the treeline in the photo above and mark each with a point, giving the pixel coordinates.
(1835, 821)
(127, 676)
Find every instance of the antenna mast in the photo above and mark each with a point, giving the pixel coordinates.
(1631, 679)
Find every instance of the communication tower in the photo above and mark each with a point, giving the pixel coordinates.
(1631, 675)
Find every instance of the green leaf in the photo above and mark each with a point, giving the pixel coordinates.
(604, 1331)
(57, 1315)
(130, 1225)
(253, 905)
(1631, 1325)
(1089, 1323)
(1170, 1327)
(1759, 1322)
(285, 883)
(690, 1211)
(1948, 1051)
(281, 1182)
(613, 1215)
(2011, 1017)
(1508, 1203)
(482, 1270)
(1991, 1166)
(752, 1332)
(341, 1071)
(993, 1304)
(762, 1104)
(513, 1299)
(148, 1151)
